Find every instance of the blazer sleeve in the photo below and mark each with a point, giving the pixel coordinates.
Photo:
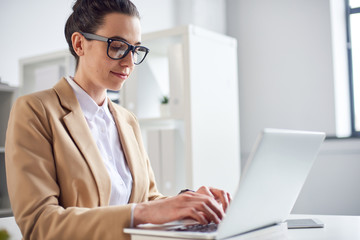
(34, 190)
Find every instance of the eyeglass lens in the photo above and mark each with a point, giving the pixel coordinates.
(117, 50)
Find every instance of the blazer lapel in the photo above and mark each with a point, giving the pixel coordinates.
(132, 153)
(80, 133)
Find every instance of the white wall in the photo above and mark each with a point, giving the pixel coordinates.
(285, 65)
(156, 14)
(332, 185)
(203, 13)
(286, 80)
(30, 28)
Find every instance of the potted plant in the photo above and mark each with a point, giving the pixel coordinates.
(4, 235)
(164, 106)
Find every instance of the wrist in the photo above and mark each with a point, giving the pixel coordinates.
(139, 216)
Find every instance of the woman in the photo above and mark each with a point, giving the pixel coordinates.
(76, 165)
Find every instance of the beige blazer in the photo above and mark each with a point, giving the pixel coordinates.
(58, 185)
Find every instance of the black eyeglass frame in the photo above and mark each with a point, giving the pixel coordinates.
(131, 48)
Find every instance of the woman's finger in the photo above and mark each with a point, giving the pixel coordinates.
(222, 197)
(205, 204)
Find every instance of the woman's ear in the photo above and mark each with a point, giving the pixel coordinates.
(77, 40)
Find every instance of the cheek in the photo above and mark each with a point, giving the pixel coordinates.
(100, 60)
(101, 66)
(131, 70)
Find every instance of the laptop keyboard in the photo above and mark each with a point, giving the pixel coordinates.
(211, 227)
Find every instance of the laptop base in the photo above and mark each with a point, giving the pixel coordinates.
(273, 232)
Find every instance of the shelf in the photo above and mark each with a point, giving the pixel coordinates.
(6, 212)
(2, 149)
(44, 71)
(6, 88)
(158, 119)
(159, 122)
(181, 67)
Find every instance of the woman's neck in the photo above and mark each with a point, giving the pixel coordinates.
(96, 93)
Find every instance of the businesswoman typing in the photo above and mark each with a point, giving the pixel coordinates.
(76, 165)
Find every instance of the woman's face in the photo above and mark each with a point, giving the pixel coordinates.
(98, 70)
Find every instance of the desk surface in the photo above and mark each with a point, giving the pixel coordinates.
(336, 228)
(9, 224)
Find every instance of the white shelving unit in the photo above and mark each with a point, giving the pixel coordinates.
(198, 143)
(44, 71)
(7, 94)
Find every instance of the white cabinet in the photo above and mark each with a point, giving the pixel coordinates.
(7, 94)
(44, 71)
(197, 143)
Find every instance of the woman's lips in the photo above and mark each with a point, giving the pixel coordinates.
(120, 75)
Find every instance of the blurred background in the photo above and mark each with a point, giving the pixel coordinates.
(292, 70)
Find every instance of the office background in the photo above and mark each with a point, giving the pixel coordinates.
(292, 64)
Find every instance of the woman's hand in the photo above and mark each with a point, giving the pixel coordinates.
(203, 206)
(222, 197)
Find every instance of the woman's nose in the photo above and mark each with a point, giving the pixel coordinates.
(128, 60)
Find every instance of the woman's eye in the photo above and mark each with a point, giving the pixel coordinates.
(118, 46)
(117, 49)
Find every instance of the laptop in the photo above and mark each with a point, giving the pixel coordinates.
(270, 183)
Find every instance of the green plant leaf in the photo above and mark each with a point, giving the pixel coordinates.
(4, 235)
(165, 100)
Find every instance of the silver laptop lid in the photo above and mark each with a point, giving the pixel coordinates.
(272, 180)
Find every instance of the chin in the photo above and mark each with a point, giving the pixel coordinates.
(116, 87)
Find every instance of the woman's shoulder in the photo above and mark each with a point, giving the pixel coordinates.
(40, 103)
(45, 96)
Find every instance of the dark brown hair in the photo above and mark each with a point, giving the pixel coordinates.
(88, 16)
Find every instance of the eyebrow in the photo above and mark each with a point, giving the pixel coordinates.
(121, 38)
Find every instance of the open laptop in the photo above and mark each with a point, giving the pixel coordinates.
(269, 186)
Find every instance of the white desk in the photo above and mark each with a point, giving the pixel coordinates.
(336, 228)
(9, 224)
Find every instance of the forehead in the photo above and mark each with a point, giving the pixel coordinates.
(121, 25)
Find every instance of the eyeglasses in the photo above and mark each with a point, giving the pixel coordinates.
(118, 49)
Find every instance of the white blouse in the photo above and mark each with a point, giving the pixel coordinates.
(105, 134)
